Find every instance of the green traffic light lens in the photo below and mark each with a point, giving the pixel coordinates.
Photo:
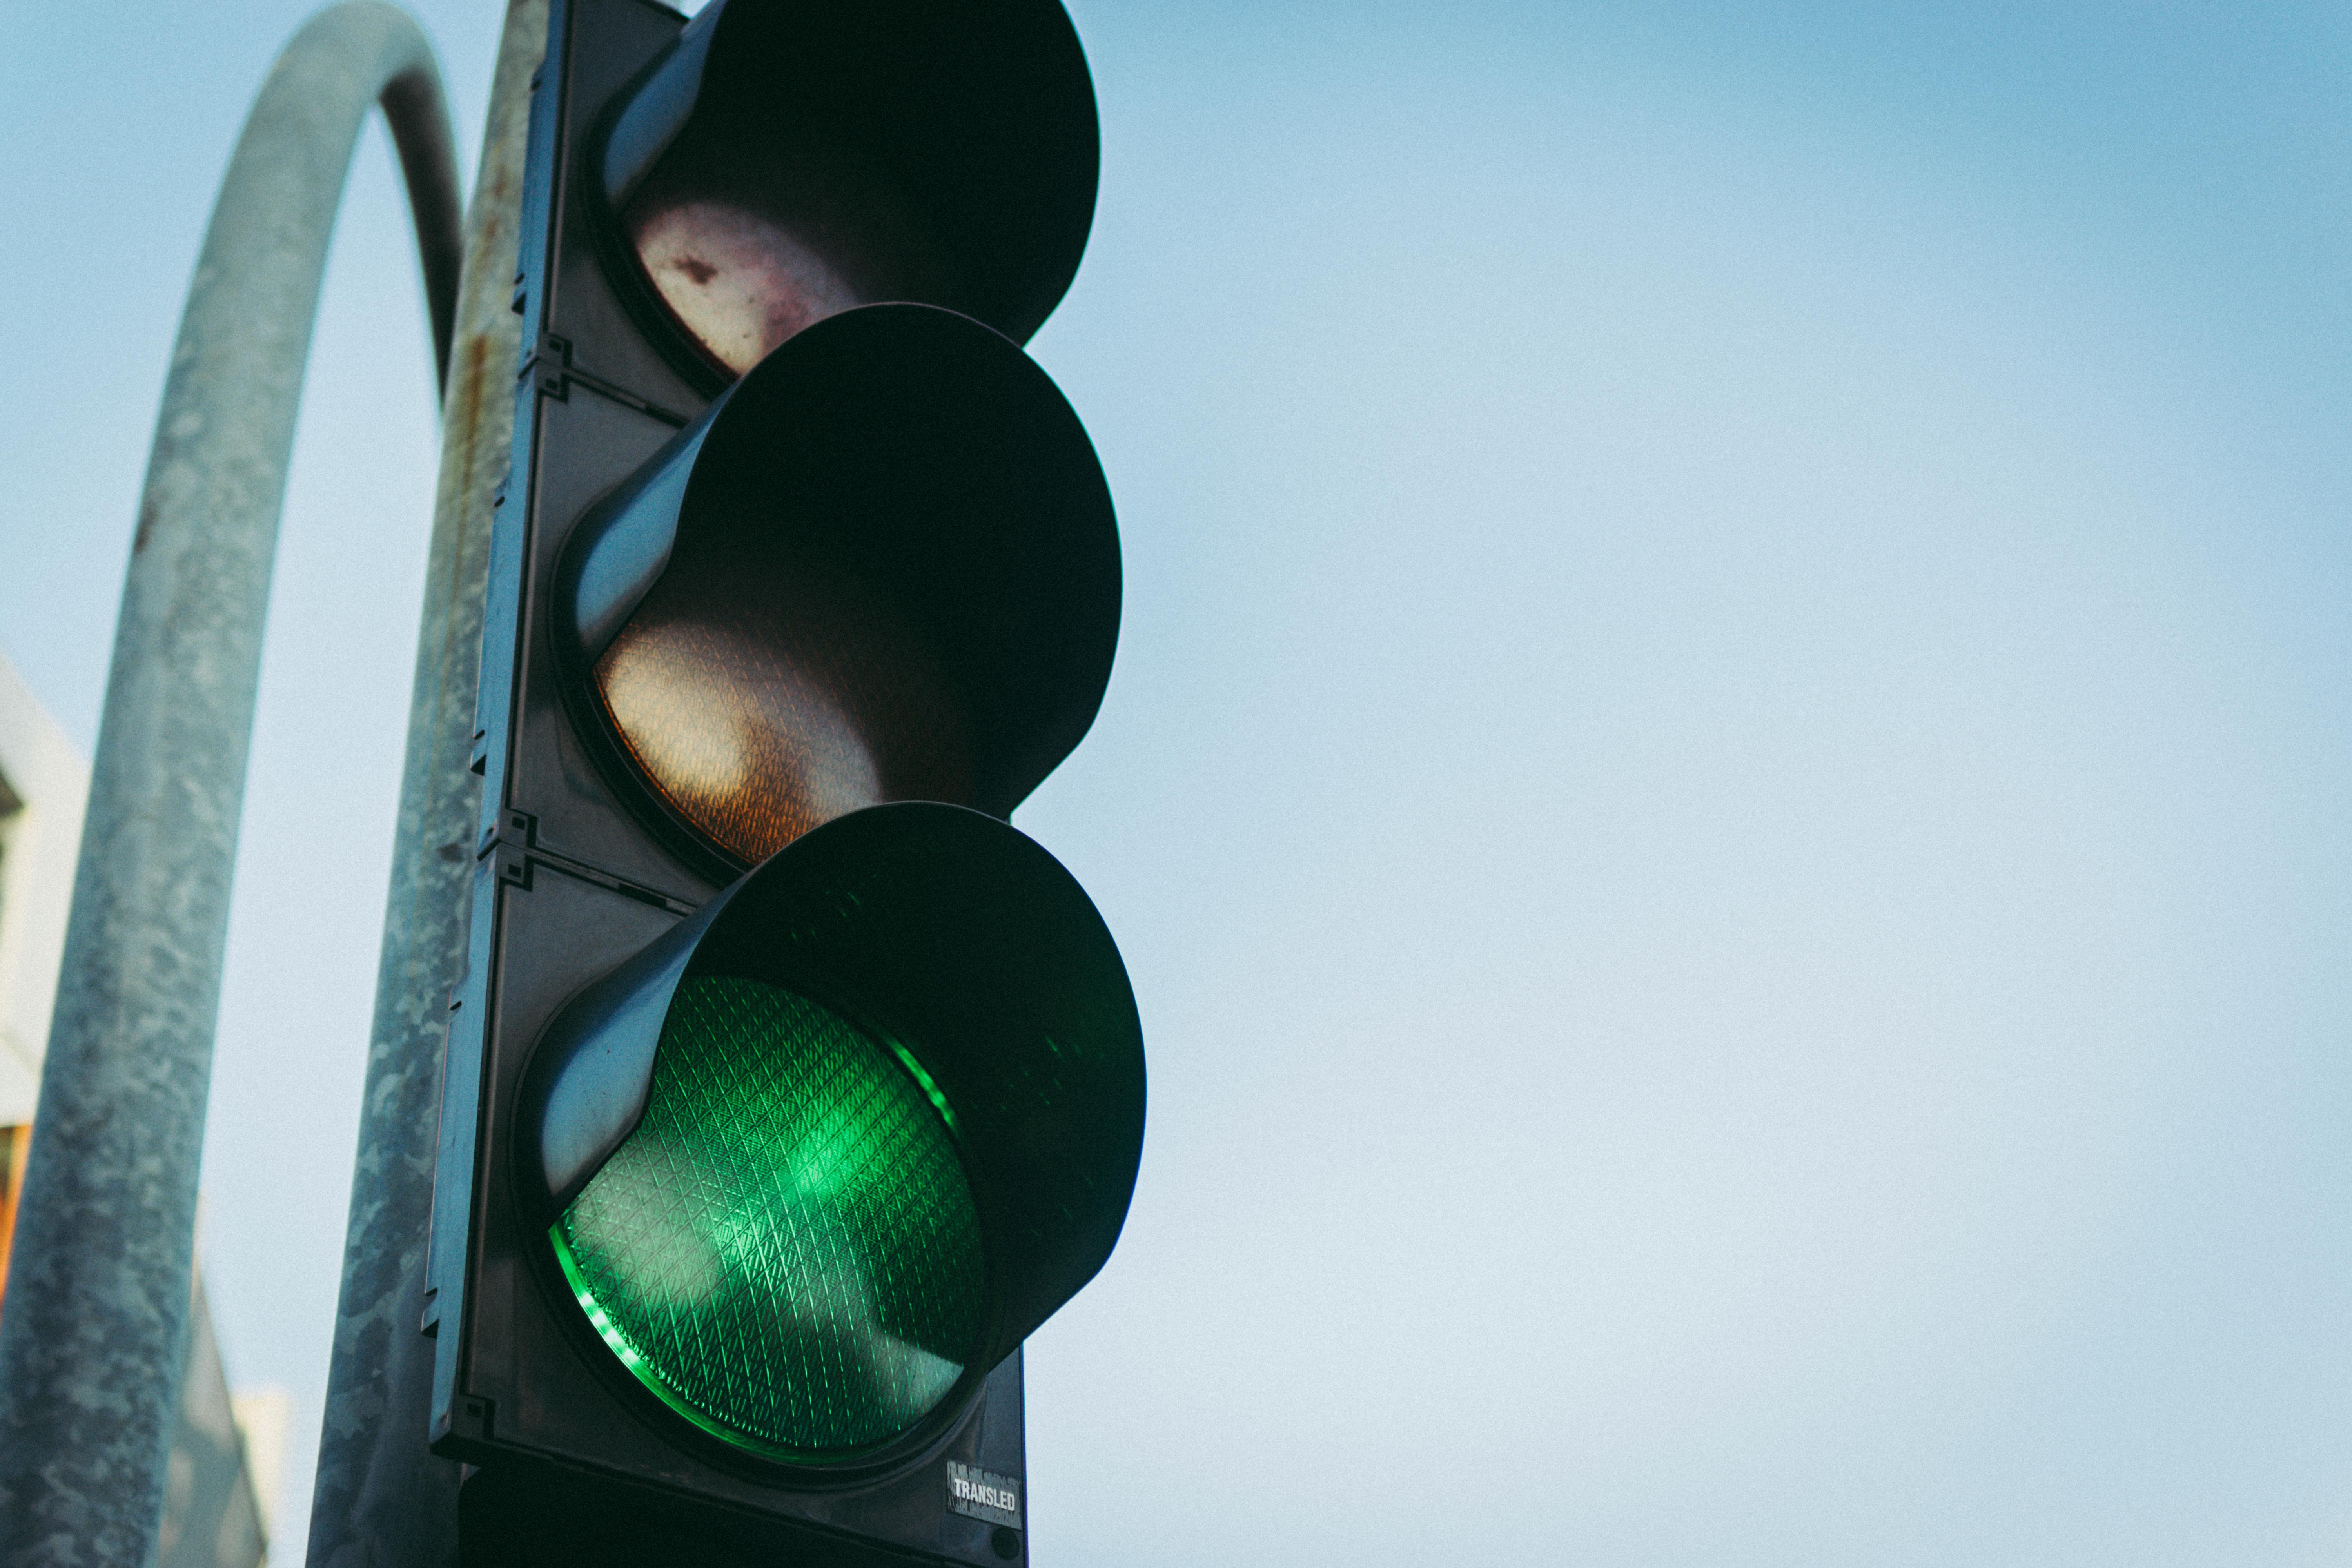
(785, 1250)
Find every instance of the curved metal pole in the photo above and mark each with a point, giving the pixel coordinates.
(383, 1501)
(96, 1326)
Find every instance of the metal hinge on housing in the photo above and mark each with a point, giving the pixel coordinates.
(548, 365)
(515, 844)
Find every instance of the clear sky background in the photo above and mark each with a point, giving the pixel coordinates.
(1726, 788)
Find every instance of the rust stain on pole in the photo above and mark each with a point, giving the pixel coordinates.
(383, 1501)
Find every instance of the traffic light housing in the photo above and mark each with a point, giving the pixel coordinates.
(789, 1088)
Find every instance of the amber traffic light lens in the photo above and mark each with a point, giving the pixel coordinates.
(760, 699)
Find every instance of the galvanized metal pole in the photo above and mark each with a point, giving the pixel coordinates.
(96, 1327)
(383, 1501)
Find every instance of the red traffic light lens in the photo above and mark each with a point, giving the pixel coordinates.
(784, 160)
(745, 253)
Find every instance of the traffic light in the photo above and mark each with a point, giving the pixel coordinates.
(790, 1088)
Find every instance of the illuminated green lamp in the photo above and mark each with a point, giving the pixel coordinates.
(786, 1250)
(818, 1160)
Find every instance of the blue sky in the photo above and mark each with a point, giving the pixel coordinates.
(1725, 788)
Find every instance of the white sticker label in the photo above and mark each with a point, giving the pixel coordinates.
(984, 1494)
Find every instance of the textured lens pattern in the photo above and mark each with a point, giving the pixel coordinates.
(785, 1250)
(761, 697)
